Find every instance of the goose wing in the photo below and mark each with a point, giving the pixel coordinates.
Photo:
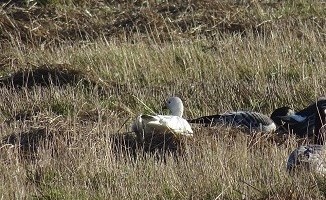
(240, 118)
(174, 124)
(162, 124)
(246, 118)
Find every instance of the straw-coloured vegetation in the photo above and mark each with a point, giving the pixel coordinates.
(75, 74)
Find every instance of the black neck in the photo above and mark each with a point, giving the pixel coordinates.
(319, 122)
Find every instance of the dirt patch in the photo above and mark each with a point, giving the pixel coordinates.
(46, 75)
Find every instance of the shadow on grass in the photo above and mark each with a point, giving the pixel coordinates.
(28, 142)
(156, 144)
(46, 75)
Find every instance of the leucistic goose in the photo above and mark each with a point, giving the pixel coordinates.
(312, 157)
(300, 123)
(174, 123)
(253, 121)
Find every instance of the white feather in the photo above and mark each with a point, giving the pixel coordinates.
(298, 118)
(166, 123)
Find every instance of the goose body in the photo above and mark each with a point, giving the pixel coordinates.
(162, 124)
(174, 123)
(250, 120)
(312, 157)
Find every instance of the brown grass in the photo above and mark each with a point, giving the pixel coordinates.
(217, 56)
(61, 21)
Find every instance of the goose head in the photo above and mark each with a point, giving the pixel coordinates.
(175, 105)
(280, 113)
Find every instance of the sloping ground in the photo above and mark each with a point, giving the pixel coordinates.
(163, 21)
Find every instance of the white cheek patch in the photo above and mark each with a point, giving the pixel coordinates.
(298, 118)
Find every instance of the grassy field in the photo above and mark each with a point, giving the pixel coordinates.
(104, 58)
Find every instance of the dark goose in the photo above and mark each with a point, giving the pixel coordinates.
(300, 123)
(312, 157)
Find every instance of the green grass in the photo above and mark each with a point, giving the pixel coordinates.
(211, 69)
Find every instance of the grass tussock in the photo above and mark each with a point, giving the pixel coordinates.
(75, 74)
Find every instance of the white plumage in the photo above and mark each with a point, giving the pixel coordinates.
(148, 124)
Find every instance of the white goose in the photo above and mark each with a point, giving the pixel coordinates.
(174, 123)
(312, 157)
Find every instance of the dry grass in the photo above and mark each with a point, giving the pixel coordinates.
(215, 56)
